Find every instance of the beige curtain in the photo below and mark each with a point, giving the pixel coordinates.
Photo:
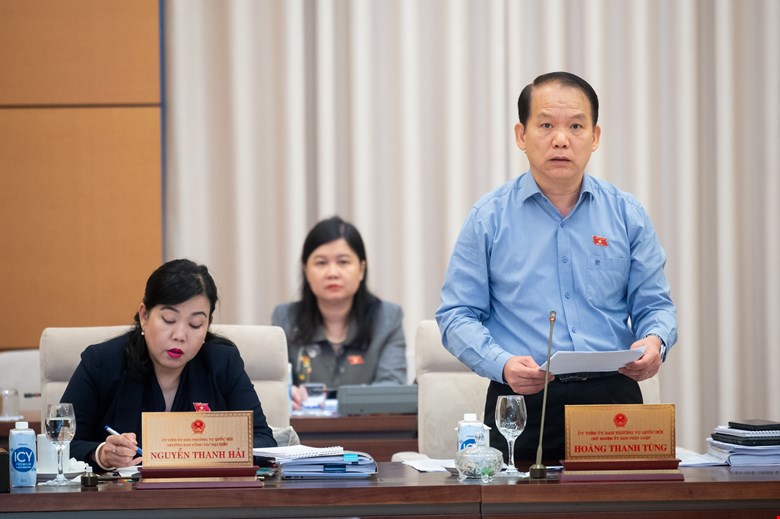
(398, 115)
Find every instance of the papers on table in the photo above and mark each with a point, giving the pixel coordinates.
(127, 472)
(430, 465)
(330, 409)
(591, 361)
(296, 451)
(743, 455)
(688, 458)
(304, 462)
(349, 464)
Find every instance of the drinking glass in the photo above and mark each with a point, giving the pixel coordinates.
(510, 420)
(60, 427)
(9, 404)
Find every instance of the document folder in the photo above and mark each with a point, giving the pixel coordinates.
(350, 464)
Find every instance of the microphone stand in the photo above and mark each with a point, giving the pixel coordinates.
(537, 470)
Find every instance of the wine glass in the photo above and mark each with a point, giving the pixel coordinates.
(60, 427)
(510, 420)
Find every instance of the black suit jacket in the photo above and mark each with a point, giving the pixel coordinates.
(103, 393)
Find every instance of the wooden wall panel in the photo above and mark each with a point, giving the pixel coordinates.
(79, 52)
(80, 162)
(80, 217)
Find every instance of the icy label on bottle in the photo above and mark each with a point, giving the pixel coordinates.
(23, 459)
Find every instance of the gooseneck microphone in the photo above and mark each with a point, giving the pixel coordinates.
(537, 470)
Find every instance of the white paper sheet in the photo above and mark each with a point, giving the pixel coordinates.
(589, 361)
(430, 465)
(689, 458)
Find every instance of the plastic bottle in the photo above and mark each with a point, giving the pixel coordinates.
(23, 466)
(470, 430)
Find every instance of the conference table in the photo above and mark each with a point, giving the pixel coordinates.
(381, 435)
(400, 491)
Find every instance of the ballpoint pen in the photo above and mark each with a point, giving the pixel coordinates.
(111, 431)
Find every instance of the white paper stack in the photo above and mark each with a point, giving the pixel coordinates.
(291, 452)
(742, 455)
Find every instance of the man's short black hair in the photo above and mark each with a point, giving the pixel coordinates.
(562, 78)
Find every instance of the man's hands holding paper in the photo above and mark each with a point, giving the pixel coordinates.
(523, 375)
(648, 364)
(526, 377)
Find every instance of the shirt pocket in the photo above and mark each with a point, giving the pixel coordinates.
(607, 281)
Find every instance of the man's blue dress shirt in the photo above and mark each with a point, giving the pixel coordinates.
(600, 269)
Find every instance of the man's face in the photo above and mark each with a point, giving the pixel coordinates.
(559, 136)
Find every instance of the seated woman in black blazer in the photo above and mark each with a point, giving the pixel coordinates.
(167, 362)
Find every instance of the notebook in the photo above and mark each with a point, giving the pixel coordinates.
(740, 440)
(745, 433)
(292, 452)
(755, 425)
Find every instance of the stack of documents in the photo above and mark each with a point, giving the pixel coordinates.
(303, 462)
(746, 443)
(741, 455)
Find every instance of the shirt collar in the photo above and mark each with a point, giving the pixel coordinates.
(588, 186)
(528, 186)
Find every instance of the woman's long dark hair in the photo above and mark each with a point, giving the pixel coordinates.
(172, 283)
(307, 316)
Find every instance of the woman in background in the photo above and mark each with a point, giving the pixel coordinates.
(339, 333)
(168, 362)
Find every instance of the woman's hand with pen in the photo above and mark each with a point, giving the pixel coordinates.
(120, 450)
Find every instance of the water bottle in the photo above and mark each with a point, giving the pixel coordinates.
(21, 441)
(471, 431)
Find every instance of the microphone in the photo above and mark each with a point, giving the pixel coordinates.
(537, 470)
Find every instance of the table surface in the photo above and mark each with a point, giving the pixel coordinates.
(398, 490)
(380, 435)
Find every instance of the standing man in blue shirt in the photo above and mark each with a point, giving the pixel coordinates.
(556, 239)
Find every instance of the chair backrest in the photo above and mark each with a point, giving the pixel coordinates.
(19, 369)
(60, 352)
(447, 389)
(263, 349)
(651, 390)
